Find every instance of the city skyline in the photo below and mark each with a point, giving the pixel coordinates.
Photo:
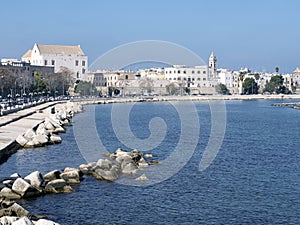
(260, 35)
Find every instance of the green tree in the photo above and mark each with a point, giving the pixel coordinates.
(38, 86)
(221, 89)
(250, 86)
(85, 88)
(275, 85)
(256, 76)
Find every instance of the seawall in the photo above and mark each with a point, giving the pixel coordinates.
(16, 123)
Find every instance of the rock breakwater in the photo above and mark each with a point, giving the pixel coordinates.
(47, 131)
(35, 184)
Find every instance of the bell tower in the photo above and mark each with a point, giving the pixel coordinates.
(212, 64)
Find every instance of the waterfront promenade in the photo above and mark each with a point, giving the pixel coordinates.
(13, 124)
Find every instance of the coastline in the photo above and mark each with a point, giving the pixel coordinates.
(15, 124)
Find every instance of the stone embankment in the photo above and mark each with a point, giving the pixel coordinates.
(294, 105)
(15, 187)
(46, 132)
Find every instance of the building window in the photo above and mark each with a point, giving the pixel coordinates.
(184, 72)
(45, 62)
(198, 71)
(76, 62)
(204, 78)
(193, 71)
(198, 78)
(126, 77)
(77, 74)
(83, 63)
(204, 72)
(52, 62)
(83, 71)
(178, 71)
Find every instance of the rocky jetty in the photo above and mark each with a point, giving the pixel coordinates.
(16, 187)
(294, 105)
(47, 131)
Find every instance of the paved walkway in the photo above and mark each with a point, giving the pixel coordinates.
(13, 124)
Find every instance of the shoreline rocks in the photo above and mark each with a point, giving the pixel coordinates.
(46, 132)
(15, 187)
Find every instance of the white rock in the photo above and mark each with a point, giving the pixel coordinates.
(7, 220)
(142, 178)
(16, 175)
(45, 222)
(148, 155)
(52, 175)
(29, 133)
(54, 138)
(29, 144)
(21, 186)
(21, 140)
(41, 129)
(48, 125)
(9, 194)
(59, 130)
(23, 221)
(104, 164)
(35, 178)
(40, 139)
(72, 177)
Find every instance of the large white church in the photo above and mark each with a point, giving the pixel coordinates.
(59, 56)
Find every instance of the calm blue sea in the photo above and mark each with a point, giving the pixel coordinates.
(254, 179)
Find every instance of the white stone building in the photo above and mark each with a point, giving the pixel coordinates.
(59, 56)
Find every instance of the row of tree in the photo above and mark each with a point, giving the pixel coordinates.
(36, 83)
(250, 86)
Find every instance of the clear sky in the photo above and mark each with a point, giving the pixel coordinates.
(258, 34)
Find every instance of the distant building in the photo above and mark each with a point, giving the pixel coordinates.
(296, 79)
(58, 56)
(229, 78)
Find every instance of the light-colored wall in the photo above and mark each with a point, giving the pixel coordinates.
(62, 60)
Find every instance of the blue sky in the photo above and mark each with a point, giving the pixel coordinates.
(259, 34)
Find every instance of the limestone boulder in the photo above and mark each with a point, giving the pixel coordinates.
(129, 168)
(29, 134)
(8, 220)
(23, 221)
(49, 126)
(108, 175)
(15, 175)
(29, 144)
(52, 175)
(41, 129)
(87, 169)
(8, 193)
(71, 177)
(58, 186)
(21, 140)
(14, 210)
(23, 188)
(104, 164)
(55, 139)
(45, 222)
(40, 139)
(59, 130)
(20, 186)
(35, 179)
(143, 178)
